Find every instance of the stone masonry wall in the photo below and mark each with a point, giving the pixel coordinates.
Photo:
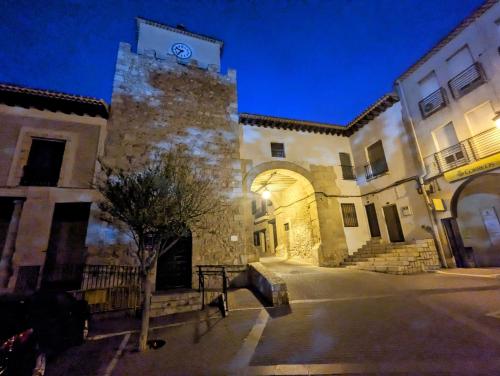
(160, 103)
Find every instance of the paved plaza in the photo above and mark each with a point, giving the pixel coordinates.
(340, 321)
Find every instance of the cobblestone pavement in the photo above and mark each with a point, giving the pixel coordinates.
(340, 322)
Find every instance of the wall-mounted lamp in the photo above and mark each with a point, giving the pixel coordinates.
(496, 119)
(266, 195)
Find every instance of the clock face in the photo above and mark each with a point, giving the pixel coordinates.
(181, 50)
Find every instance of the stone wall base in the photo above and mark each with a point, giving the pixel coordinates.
(395, 258)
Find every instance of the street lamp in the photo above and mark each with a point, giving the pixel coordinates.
(266, 195)
(496, 119)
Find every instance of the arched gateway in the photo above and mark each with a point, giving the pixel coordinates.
(474, 230)
(287, 215)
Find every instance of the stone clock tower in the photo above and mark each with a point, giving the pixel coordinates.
(186, 46)
(171, 92)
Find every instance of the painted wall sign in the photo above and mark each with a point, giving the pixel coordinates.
(485, 164)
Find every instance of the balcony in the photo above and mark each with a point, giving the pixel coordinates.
(375, 169)
(467, 151)
(467, 80)
(433, 102)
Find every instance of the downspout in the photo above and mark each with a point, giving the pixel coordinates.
(430, 213)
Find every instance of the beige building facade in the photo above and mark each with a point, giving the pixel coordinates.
(450, 100)
(411, 178)
(49, 147)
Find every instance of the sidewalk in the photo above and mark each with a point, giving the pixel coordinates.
(492, 273)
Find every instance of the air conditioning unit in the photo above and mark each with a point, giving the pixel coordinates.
(428, 107)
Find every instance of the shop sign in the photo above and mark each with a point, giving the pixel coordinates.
(463, 172)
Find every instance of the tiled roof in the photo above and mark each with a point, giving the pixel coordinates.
(13, 95)
(284, 123)
(444, 41)
(180, 31)
(371, 112)
(310, 126)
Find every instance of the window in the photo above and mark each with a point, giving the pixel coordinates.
(466, 75)
(44, 162)
(277, 150)
(459, 61)
(428, 85)
(347, 167)
(349, 215)
(480, 118)
(376, 156)
(451, 153)
(433, 96)
(254, 206)
(256, 238)
(287, 226)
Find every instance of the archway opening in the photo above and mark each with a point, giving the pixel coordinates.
(476, 206)
(285, 216)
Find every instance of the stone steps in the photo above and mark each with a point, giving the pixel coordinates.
(167, 303)
(397, 258)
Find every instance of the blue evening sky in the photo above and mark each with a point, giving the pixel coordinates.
(305, 59)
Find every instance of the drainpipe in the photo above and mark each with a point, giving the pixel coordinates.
(430, 213)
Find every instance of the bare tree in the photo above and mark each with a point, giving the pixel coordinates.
(157, 204)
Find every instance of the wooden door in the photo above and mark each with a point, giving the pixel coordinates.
(393, 223)
(174, 267)
(372, 220)
(66, 250)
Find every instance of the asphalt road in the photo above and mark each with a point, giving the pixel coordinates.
(339, 322)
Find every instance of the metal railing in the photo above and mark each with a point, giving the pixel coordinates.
(107, 287)
(433, 102)
(467, 80)
(375, 169)
(348, 172)
(467, 151)
(215, 279)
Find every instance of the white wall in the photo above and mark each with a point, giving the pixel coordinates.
(302, 148)
(483, 39)
(159, 39)
(401, 160)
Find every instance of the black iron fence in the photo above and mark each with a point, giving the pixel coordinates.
(469, 150)
(109, 287)
(467, 80)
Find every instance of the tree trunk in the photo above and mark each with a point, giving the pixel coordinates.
(143, 338)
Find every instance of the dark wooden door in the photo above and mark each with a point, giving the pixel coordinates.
(464, 257)
(372, 220)
(393, 223)
(174, 267)
(66, 250)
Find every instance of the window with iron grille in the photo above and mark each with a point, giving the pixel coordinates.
(277, 150)
(349, 215)
(377, 159)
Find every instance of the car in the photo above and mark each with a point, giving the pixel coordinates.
(36, 327)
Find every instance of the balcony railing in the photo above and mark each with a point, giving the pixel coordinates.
(348, 172)
(375, 169)
(433, 102)
(467, 151)
(467, 80)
